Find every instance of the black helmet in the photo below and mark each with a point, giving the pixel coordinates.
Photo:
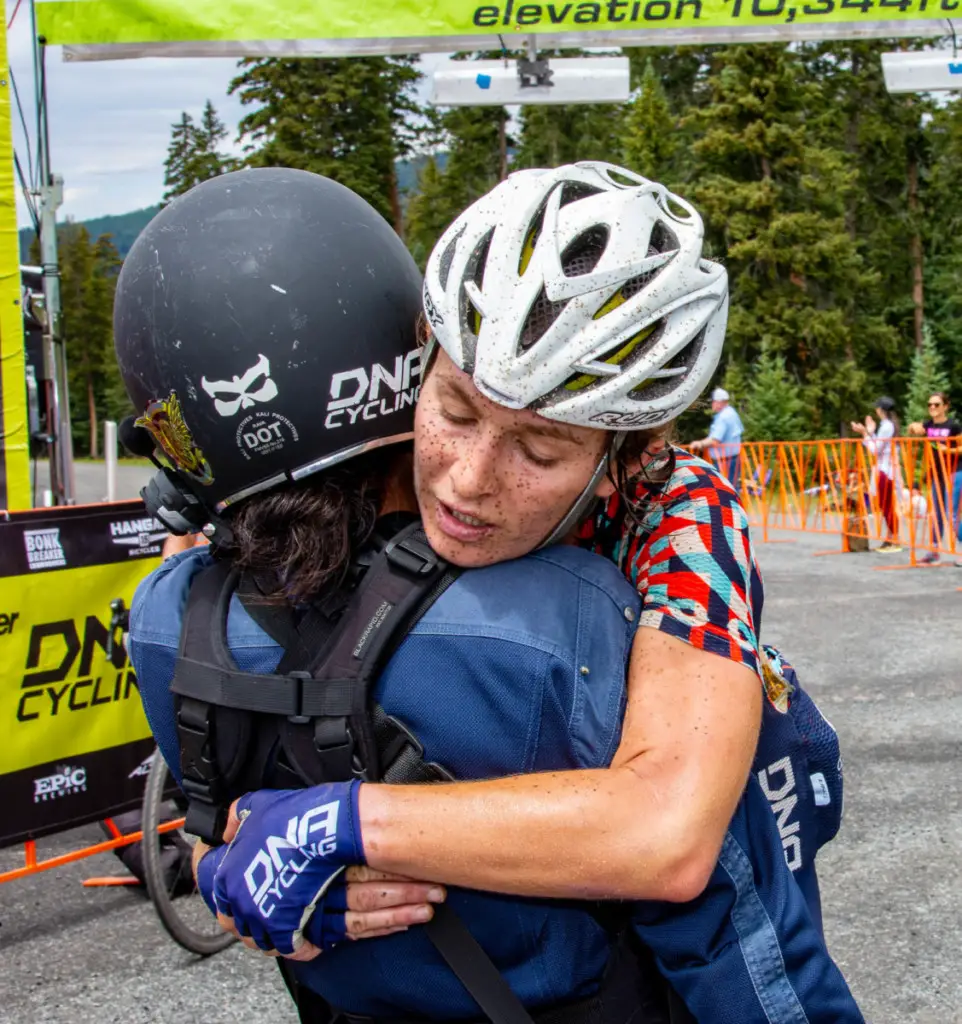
(265, 325)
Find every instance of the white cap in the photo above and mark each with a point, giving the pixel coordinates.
(719, 395)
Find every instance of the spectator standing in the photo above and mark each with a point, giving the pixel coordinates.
(946, 433)
(878, 439)
(724, 439)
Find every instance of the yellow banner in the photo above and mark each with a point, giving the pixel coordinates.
(60, 695)
(156, 21)
(14, 429)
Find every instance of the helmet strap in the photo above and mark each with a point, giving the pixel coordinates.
(584, 500)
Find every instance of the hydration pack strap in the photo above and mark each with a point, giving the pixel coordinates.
(474, 968)
(204, 630)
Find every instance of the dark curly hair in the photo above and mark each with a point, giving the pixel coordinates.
(299, 540)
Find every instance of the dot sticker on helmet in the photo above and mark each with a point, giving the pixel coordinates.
(263, 433)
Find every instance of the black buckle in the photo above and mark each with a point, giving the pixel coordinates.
(299, 718)
(206, 821)
(194, 735)
(403, 738)
(335, 747)
(411, 555)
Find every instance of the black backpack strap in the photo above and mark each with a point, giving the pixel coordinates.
(203, 780)
(398, 586)
(474, 968)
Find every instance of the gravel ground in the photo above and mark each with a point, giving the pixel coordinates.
(879, 650)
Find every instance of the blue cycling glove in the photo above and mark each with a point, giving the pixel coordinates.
(285, 862)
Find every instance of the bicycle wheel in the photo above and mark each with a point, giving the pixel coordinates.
(179, 905)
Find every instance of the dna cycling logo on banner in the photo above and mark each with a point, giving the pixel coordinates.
(44, 549)
(369, 392)
(65, 782)
(144, 536)
(67, 670)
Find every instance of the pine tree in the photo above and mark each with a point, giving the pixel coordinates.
(885, 139)
(927, 377)
(563, 134)
(476, 142)
(773, 195)
(349, 120)
(650, 131)
(943, 268)
(194, 153)
(774, 410)
(176, 174)
(206, 160)
(88, 278)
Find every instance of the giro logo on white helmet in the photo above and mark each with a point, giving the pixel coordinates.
(241, 389)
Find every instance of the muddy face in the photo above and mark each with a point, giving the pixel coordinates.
(493, 482)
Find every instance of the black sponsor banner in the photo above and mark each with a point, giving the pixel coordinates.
(62, 794)
(70, 714)
(43, 540)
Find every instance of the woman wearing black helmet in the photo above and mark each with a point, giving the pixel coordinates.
(299, 543)
(265, 325)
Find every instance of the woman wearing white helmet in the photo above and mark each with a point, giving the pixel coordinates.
(572, 317)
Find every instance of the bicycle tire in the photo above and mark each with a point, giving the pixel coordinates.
(185, 918)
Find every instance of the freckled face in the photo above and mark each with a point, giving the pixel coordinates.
(493, 482)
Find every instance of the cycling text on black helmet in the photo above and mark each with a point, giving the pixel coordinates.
(265, 327)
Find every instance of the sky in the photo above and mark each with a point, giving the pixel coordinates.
(110, 121)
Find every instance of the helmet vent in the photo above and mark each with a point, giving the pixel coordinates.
(572, 191)
(582, 255)
(661, 386)
(541, 316)
(663, 239)
(531, 239)
(634, 285)
(447, 258)
(474, 271)
(623, 179)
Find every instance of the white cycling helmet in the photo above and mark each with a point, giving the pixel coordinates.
(580, 293)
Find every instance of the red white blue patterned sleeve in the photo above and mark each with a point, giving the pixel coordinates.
(696, 570)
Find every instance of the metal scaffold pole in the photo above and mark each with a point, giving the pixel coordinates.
(50, 198)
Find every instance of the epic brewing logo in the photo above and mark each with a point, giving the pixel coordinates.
(65, 782)
(44, 550)
(365, 399)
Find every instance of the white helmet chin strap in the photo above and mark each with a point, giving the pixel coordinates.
(583, 501)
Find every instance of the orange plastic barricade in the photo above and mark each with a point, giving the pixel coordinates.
(32, 866)
(911, 493)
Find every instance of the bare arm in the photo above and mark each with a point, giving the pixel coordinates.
(648, 827)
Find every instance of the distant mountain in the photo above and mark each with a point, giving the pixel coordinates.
(408, 172)
(125, 227)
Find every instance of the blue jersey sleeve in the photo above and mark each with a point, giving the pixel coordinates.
(747, 950)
